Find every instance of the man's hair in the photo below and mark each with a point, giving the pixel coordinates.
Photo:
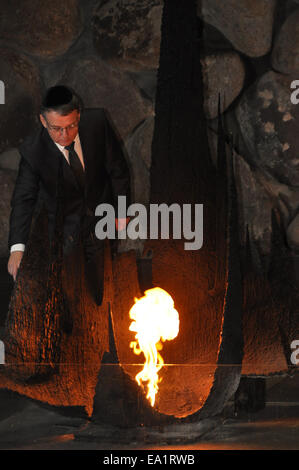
(61, 99)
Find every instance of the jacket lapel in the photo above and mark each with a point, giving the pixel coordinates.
(54, 155)
(87, 151)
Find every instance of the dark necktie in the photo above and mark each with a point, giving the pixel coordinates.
(76, 165)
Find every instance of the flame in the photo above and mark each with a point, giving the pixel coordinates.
(154, 320)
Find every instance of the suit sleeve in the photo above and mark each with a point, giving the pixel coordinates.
(23, 203)
(116, 165)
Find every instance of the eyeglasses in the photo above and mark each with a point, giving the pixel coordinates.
(59, 130)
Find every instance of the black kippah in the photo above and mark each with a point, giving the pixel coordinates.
(57, 96)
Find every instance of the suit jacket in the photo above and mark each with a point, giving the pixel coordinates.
(106, 175)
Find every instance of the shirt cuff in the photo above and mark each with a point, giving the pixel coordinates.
(17, 247)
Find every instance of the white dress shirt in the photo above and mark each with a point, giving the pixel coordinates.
(65, 152)
(77, 148)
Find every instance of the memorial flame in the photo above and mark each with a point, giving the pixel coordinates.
(154, 320)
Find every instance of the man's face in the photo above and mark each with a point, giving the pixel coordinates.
(62, 129)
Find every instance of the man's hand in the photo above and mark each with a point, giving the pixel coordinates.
(121, 224)
(14, 263)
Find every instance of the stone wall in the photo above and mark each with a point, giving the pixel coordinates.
(251, 59)
(108, 50)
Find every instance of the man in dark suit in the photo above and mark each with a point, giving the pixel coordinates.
(94, 171)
